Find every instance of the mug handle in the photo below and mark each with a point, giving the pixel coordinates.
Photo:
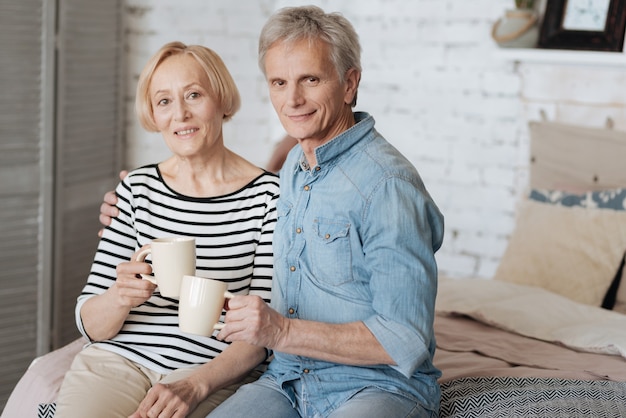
(220, 325)
(141, 257)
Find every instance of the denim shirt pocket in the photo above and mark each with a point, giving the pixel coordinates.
(331, 257)
(283, 209)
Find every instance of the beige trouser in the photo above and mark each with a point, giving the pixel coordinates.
(102, 384)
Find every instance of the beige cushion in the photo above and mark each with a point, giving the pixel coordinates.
(572, 251)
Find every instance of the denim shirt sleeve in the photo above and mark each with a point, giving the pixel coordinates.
(403, 229)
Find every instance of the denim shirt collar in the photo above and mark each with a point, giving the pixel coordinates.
(331, 150)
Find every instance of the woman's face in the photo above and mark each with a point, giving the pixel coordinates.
(189, 119)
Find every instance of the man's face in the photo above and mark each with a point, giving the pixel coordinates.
(311, 102)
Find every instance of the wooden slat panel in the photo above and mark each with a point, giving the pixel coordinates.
(88, 141)
(20, 153)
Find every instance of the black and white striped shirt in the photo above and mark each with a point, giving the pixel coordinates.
(233, 243)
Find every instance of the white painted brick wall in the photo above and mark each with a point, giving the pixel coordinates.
(433, 79)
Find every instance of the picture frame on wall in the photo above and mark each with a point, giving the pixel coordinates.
(595, 25)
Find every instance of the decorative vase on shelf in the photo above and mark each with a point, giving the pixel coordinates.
(518, 28)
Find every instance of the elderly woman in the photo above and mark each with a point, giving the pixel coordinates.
(138, 363)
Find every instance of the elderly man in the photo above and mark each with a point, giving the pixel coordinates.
(355, 278)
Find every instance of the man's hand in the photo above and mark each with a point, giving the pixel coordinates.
(108, 210)
(252, 320)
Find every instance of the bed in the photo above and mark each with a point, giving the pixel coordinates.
(546, 336)
(510, 350)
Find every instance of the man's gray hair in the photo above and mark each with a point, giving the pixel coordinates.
(291, 24)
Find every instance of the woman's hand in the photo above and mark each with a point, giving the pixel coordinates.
(130, 290)
(104, 315)
(171, 400)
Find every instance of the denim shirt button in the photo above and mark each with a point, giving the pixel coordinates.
(291, 311)
(306, 371)
(298, 230)
(292, 268)
(307, 188)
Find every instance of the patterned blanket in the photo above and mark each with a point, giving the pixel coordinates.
(509, 397)
(46, 410)
(532, 397)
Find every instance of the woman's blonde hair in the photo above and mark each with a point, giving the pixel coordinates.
(222, 87)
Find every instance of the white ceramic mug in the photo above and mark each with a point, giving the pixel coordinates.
(172, 258)
(201, 304)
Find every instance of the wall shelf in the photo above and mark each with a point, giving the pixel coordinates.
(558, 56)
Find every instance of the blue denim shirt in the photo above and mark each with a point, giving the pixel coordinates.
(355, 241)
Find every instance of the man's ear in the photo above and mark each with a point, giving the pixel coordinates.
(352, 80)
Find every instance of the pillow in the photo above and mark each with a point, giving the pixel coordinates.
(41, 382)
(573, 251)
(603, 199)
